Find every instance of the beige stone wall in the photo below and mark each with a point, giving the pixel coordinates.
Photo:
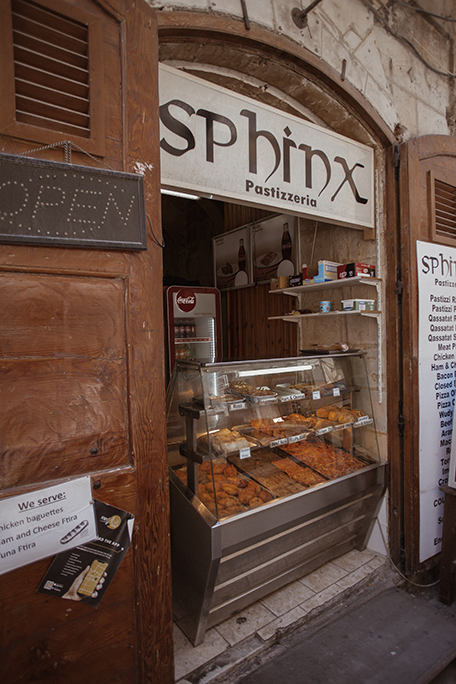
(398, 79)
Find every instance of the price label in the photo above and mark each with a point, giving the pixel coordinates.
(268, 400)
(245, 452)
(316, 394)
(278, 442)
(237, 406)
(364, 420)
(336, 392)
(336, 428)
(287, 397)
(323, 431)
(296, 438)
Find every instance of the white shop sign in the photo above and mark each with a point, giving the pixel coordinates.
(437, 367)
(215, 142)
(45, 522)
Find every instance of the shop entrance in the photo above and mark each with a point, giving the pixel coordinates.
(189, 226)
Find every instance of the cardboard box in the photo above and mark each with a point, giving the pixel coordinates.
(308, 272)
(358, 304)
(327, 270)
(355, 269)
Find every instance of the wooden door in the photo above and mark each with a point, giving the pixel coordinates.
(82, 374)
(418, 164)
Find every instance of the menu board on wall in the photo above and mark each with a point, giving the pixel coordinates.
(437, 366)
(232, 259)
(275, 248)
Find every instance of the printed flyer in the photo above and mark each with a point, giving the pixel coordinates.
(85, 572)
(437, 391)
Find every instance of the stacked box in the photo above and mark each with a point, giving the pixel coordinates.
(327, 270)
(358, 304)
(355, 269)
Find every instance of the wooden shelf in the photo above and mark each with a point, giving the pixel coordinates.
(329, 284)
(337, 285)
(299, 317)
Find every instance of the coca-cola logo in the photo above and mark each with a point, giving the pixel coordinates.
(186, 300)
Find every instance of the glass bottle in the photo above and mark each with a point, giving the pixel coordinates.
(242, 257)
(286, 243)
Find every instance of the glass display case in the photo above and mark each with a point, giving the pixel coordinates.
(274, 469)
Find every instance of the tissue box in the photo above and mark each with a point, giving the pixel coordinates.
(358, 304)
(355, 269)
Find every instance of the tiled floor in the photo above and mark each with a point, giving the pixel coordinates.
(248, 632)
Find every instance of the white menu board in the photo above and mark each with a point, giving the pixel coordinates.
(437, 365)
(44, 522)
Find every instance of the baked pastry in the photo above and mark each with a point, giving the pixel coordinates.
(301, 474)
(223, 442)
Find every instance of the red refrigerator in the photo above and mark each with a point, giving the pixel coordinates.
(194, 328)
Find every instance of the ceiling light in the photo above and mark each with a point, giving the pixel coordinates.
(273, 371)
(175, 193)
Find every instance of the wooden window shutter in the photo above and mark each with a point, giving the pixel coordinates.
(443, 209)
(54, 83)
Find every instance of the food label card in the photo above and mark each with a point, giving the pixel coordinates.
(85, 572)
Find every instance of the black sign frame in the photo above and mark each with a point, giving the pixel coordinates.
(52, 203)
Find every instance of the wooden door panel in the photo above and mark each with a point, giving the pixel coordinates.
(62, 316)
(57, 259)
(418, 158)
(61, 418)
(63, 339)
(82, 370)
(105, 640)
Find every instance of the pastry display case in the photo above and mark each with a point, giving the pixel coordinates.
(274, 469)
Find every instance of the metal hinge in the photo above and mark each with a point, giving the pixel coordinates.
(401, 418)
(396, 160)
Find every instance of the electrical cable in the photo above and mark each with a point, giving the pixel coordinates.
(416, 584)
(405, 40)
(420, 9)
(156, 240)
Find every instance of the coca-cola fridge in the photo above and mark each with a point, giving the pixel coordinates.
(194, 328)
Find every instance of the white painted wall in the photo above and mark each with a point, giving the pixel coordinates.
(408, 94)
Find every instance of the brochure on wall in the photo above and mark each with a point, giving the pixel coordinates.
(437, 367)
(274, 248)
(232, 259)
(43, 522)
(85, 572)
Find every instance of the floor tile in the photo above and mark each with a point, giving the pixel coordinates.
(323, 577)
(281, 622)
(322, 597)
(188, 657)
(179, 638)
(245, 623)
(354, 577)
(354, 559)
(376, 562)
(287, 598)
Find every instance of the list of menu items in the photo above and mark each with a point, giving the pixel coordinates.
(44, 522)
(436, 376)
